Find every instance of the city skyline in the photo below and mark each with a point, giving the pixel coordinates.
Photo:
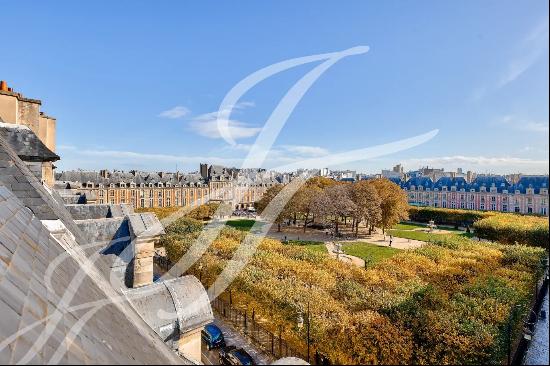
(484, 86)
(358, 172)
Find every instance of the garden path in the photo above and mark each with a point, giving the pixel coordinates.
(331, 249)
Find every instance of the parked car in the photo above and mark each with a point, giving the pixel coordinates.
(232, 355)
(212, 336)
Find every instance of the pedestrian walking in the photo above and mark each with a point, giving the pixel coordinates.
(391, 240)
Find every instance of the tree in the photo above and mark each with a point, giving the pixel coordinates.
(367, 205)
(204, 212)
(334, 203)
(320, 182)
(394, 203)
(266, 199)
(303, 202)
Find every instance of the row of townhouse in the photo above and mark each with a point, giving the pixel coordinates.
(487, 193)
(145, 190)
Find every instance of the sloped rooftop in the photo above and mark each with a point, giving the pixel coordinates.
(55, 306)
(25, 143)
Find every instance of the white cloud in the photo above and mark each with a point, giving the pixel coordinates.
(481, 164)
(533, 149)
(120, 159)
(66, 147)
(209, 128)
(99, 158)
(176, 112)
(207, 124)
(523, 124)
(301, 150)
(536, 127)
(290, 151)
(243, 105)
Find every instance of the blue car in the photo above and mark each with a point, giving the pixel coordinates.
(212, 336)
(232, 355)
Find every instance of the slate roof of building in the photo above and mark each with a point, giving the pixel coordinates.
(417, 182)
(537, 182)
(25, 143)
(488, 181)
(146, 178)
(448, 182)
(395, 180)
(55, 306)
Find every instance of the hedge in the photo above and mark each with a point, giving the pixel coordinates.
(447, 216)
(512, 229)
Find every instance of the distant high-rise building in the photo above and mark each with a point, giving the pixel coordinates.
(398, 168)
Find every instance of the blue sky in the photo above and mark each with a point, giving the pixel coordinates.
(132, 83)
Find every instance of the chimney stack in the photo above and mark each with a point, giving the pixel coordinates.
(3, 86)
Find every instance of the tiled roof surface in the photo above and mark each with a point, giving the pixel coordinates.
(55, 305)
(38, 313)
(487, 182)
(25, 143)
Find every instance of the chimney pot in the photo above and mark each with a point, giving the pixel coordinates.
(3, 86)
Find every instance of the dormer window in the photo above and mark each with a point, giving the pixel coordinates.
(112, 185)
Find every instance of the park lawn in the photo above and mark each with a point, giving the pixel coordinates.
(316, 246)
(408, 226)
(241, 224)
(370, 253)
(424, 236)
(413, 226)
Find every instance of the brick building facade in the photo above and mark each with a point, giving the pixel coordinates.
(143, 189)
